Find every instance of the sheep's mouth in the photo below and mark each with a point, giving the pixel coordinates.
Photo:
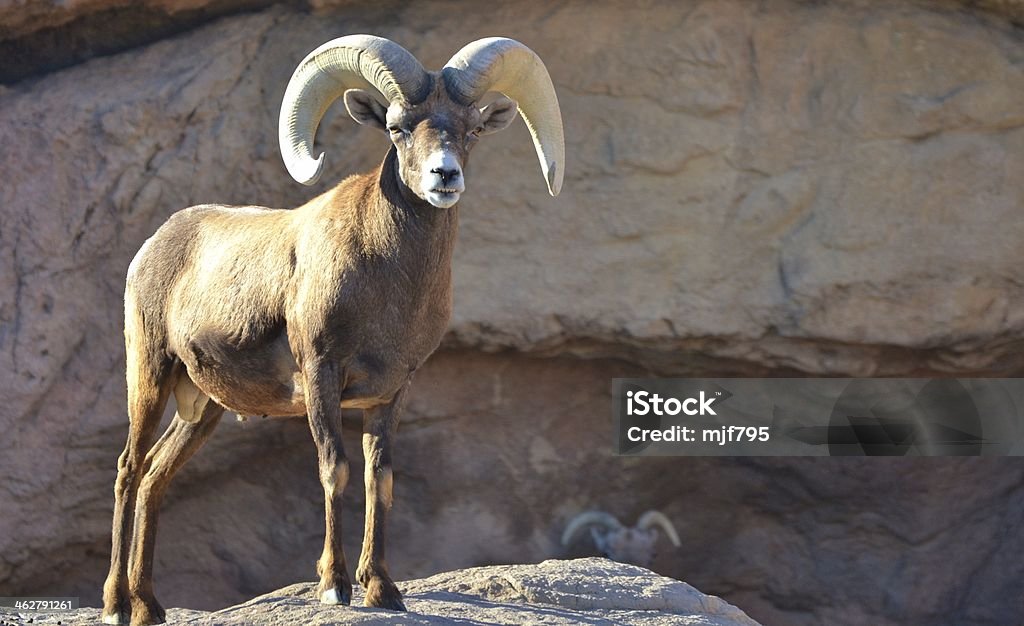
(443, 197)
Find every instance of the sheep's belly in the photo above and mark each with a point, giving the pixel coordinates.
(265, 380)
(252, 392)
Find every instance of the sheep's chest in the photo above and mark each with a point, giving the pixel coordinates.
(393, 341)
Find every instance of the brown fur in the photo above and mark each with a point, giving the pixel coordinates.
(286, 313)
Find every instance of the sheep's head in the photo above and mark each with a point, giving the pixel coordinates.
(432, 118)
(626, 545)
(432, 138)
(621, 543)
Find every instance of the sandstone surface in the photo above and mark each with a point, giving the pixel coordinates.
(782, 188)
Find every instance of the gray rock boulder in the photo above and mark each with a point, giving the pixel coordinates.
(557, 593)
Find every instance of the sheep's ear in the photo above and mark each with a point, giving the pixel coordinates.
(497, 115)
(365, 109)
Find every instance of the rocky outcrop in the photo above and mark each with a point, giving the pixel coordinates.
(41, 36)
(583, 591)
(19, 18)
(811, 188)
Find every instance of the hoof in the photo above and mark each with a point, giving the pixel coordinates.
(116, 618)
(381, 593)
(336, 596)
(115, 603)
(147, 612)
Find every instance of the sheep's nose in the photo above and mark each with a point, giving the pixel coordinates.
(447, 174)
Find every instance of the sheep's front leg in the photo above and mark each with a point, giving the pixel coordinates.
(323, 383)
(379, 426)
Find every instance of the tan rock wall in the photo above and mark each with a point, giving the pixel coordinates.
(752, 188)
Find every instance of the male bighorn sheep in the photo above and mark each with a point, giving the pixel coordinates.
(621, 543)
(333, 304)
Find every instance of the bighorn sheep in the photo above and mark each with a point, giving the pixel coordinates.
(620, 543)
(333, 304)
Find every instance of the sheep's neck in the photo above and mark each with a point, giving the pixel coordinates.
(398, 222)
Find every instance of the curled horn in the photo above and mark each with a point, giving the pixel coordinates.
(657, 518)
(505, 65)
(590, 518)
(351, 62)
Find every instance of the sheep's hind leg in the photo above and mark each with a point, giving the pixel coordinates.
(177, 445)
(379, 426)
(323, 404)
(149, 385)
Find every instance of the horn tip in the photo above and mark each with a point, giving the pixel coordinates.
(553, 179)
(304, 176)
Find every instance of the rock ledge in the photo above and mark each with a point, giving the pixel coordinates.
(582, 591)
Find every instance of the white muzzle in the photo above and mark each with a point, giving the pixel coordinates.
(442, 178)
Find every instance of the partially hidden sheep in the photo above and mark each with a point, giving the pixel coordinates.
(627, 544)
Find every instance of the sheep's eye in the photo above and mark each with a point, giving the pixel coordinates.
(396, 130)
(476, 131)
